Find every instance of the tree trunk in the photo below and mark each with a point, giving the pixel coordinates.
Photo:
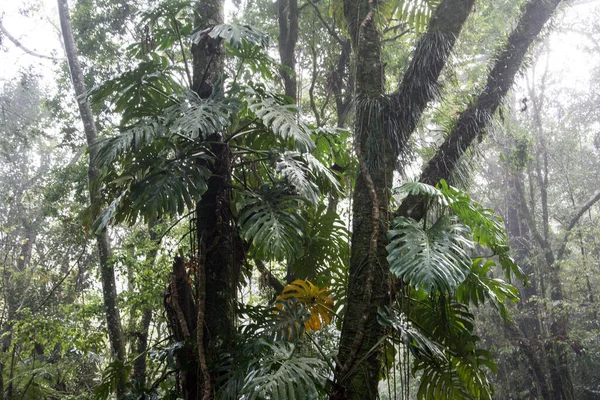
(288, 37)
(358, 367)
(359, 362)
(107, 273)
(204, 316)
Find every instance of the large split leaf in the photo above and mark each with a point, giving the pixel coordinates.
(318, 303)
(434, 258)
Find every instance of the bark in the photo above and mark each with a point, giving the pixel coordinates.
(208, 55)
(472, 122)
(358, 368)
(420, 85)
(207, 312)
(181, 312)
(107, 274)
(141, 334)
(287, 13)
(359, 362)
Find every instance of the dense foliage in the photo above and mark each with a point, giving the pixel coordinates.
(360, 210)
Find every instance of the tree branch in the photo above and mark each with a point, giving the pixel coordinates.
(20, 45)
(273, 281)
(329, 29)
(419, 84)
(573, 222)
(472, 121)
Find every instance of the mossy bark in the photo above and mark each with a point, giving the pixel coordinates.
(358, 369)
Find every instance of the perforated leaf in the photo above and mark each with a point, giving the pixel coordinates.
(282, 374)
(272, 220)
(435, 258)
(318, 303)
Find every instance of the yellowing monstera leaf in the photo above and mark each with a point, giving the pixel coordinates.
(316, 300)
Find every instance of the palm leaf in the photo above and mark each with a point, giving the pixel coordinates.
(433, 259)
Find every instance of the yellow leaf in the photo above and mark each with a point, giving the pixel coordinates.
(316, 300)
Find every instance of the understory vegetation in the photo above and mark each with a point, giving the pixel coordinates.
(352, 199)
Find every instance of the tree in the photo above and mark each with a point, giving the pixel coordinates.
(109, 286)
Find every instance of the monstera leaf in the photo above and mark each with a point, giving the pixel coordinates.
(434, 258)
(318, 303)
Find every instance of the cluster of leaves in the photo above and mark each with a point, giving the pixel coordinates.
(266, 364)
(436, 257)
(159, 166)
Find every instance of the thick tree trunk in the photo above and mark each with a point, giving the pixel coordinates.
(359, 362)
(107, 273)
(204, 316)
(358, 366)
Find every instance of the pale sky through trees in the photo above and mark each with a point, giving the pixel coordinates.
(34, 24)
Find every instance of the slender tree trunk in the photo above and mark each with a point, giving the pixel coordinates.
(142, 329)
(287, 12)
(107, 273)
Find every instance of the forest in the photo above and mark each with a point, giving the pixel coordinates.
(299, 199)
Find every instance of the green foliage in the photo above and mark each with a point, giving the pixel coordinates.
(463, 373)
(281, 119)
(434, 258)
(112, 375)
(234, 35)
(280, 374)
(271, 218)
(416, 13)
(325, 254)
(479, 287)
(284, 321)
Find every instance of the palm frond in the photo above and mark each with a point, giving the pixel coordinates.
(416, 13)
(435, 258)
